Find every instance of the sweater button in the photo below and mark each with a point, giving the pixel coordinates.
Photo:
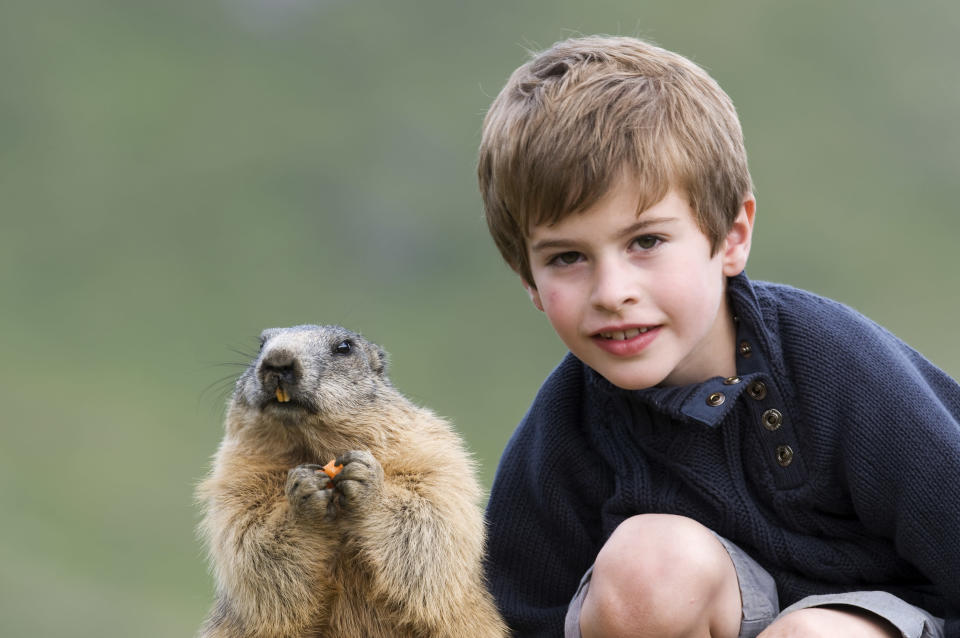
(757, 390)
(784, 455)
(772, 419)
(731, 381)
(716, 399)
(745, 349)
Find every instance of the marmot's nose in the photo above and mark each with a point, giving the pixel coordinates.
(279, 367)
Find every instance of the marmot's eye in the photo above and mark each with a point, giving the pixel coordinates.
(344, 347)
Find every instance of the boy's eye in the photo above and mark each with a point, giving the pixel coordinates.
(646, 242)
(566, 259)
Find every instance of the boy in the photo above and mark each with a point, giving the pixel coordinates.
(715, 456)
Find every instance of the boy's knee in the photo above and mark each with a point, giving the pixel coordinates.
(816, 622)
(650, 570)
(649, 550)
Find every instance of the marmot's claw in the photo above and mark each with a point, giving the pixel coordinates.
(307, 491)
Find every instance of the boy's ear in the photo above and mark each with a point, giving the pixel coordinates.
(534, 294)
(736, 246)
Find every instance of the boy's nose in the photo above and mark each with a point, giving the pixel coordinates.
(613, 288)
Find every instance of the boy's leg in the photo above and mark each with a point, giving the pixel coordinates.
(814, 622)
(650, 557)
(874, 614)
(664, 576)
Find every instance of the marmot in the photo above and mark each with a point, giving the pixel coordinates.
(390, 547)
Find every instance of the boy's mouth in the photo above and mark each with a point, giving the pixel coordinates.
(623, 335)
(627, 342)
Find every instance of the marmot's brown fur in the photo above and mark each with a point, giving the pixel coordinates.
(392, 549)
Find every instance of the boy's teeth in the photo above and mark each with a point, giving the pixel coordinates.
(621, 335)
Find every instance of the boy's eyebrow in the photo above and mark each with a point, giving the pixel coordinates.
(546, 244)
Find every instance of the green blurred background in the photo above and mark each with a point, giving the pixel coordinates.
(177, 175)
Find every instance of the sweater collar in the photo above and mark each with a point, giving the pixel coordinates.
(709, 402)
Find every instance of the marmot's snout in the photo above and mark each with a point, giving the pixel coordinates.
(279, 372)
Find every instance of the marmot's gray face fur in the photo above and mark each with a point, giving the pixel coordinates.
(309, 370)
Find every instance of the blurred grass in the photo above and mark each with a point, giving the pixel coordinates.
(177, 176)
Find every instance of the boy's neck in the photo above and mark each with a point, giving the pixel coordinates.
(718, 357)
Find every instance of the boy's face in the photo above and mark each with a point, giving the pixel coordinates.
(639, 298)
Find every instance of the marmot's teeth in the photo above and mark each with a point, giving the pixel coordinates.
(282, 395)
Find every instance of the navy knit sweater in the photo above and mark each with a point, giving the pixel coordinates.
(833, 460)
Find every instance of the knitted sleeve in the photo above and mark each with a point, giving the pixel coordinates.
(904, 463)
(543, 510)
(899, 423)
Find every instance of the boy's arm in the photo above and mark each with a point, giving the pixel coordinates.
(903, 464)
(544, 513)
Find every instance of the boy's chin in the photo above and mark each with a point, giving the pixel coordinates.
(633, 385)
(628, 379)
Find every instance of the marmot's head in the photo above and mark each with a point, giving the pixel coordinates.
(307, 372)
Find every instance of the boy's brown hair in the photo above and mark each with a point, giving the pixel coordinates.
(570, 121)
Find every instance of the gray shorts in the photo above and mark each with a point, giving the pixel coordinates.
(761, 606)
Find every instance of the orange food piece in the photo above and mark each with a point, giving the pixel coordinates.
(331, 469)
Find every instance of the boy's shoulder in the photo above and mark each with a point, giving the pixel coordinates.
(787, 301)
(814, 336)
(560, 397)
(803, 319)
(570, 399)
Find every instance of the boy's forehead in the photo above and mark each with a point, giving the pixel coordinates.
(625, 196)
(619, 213)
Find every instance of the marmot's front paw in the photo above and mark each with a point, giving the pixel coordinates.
(308, 493)
(360, 481)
